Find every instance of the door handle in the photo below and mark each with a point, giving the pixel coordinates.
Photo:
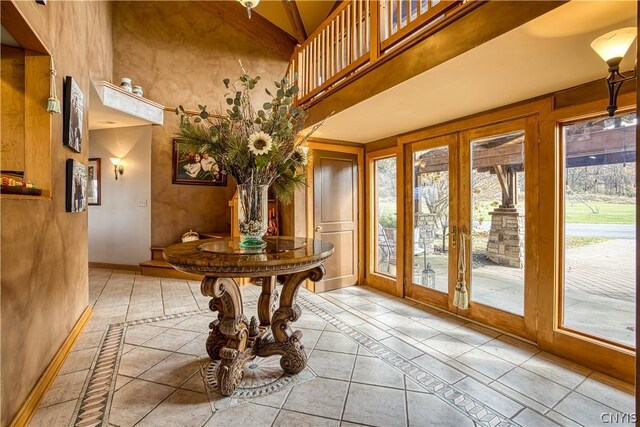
(318, 229)
(454, 237)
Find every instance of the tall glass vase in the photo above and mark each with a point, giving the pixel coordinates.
(252, 214)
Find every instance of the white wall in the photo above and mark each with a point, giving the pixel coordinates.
(120, 229)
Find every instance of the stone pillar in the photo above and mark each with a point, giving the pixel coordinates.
(506, 237)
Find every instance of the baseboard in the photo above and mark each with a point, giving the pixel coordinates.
(114, 266)
(28, 408)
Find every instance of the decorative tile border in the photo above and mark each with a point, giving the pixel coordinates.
(472, 408)
(93, 408)
(95, 402)
(264, 379)
(94, 405)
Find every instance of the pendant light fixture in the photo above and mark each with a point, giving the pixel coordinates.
(249, 4)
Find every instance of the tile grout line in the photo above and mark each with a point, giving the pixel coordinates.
(440, 389)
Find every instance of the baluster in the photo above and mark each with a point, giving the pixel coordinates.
(350, 39)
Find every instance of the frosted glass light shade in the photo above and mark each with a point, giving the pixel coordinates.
(614, 44)
(116, 161)
(249, 3)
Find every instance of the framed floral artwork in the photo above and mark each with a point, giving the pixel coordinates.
(195, 168)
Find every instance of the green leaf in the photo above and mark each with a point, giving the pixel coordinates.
(261, 161)
(280, 93)
(267, 106)
(230, 101)
(200, 107)
(268, 92)
(276, 84)
(226, 83)
(295, 89)
(197, 120)
(204, 114)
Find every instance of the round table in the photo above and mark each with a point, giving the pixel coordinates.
(233, 339)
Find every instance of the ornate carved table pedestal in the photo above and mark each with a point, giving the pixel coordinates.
(233, 339)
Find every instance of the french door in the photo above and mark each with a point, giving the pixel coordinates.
(472, 223)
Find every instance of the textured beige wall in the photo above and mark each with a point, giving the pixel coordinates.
(180, 54)
(44, 249)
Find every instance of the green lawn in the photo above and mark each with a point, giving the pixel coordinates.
(608, 213)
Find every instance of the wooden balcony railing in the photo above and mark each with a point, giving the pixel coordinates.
(361, 32)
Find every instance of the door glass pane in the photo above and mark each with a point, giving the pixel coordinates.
(386, 216)
(431, 218)
(599, 227)
(497, 222)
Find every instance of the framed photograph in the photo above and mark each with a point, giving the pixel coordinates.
(195, 168)
(73, 110)
(76, 200)
(93, 182)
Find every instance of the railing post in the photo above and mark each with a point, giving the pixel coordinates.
(374, 31)
(295, 70)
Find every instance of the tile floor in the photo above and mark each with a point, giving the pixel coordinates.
(375, 360)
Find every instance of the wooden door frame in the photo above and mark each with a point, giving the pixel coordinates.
(339, 147)
(596, 353)
(525, 325)
(429, 296)
(379, 281)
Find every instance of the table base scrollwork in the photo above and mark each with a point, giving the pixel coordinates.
(231, 340)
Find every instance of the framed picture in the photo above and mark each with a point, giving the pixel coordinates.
(93, 182)
(73, 110)
(195, 168)
(76, 200)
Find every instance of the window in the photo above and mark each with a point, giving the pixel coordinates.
(599, 245)
(386, 216)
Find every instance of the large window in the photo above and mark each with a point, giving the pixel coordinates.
(386, 217)
(599, 269)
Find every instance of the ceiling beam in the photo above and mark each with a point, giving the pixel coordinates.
(293, 13)
(334, 7)
(258, 28)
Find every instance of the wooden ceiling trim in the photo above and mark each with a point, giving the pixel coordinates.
(258, 28)
(293, 14)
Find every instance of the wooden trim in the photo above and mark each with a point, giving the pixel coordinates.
(389, 284)
(293, 14)
(327, 83)
(15, 22)
(443, 300)
(339, 148)
(421, 21)
(30, 405)
(502, 114)
(114, 266)
(613, 359)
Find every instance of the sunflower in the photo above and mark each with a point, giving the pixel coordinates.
(260, 143)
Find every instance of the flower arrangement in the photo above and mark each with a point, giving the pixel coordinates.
(262, 147)
(259, 148)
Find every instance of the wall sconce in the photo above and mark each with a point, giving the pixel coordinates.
(612, 47)
(118, 167)
(249, 4)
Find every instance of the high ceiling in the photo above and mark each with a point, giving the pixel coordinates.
(547, 54)
(312, 12)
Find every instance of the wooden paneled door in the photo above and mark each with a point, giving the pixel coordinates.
(335, 215)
